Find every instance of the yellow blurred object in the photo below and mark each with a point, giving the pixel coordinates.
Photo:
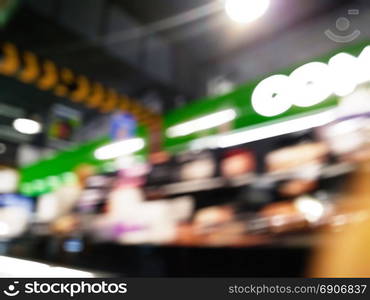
(50, 77)
(11, 63)
(97, 96)
(31, 69)
(83, 89)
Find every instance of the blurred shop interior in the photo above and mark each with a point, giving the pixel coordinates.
(184, 138)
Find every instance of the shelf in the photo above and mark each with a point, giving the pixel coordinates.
(194, 186)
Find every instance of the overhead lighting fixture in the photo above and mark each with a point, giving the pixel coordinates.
(277, 129)
(245, 11)
(27, 126)
(120, 148)
(202, 123)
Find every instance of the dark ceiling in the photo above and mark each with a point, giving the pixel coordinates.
(212, 37)
(73, 34)
(161, 52)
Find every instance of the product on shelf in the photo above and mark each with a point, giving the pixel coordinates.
(297, 187)
(297, 157)
(349, 137)
(208, 219)
(197, 165)
(237, 162)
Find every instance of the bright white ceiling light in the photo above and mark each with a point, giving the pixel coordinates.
(202, 123)
(310, 84)
(271, 96)
(344, 73)
(120, 148)
(245, 11)
(27, 126)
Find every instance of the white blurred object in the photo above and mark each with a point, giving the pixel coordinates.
(364, 65)
(61, 202)
(348, 136)
(27, 126)
(8, 180)
(310, 84)
(219, 85)
(310, 207)
(47, 208)
(202, 123)
(155, 221)
(124, 201)
(355, 103)
(181, 208)
(344, 73)
(14, 267)
(121, 148)
(271, 96)
(28, 154)
(13, 221)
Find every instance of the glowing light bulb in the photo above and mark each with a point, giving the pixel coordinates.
(27, 126)
(245, 11)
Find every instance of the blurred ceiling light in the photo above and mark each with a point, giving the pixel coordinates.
(281, 128)
(344, 73)
(270, 97)
(245, 11)
(310, 207)
(202, 123)
(310, 84)
(120, 148)
(27, 126)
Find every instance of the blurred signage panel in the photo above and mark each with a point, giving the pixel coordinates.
(63, 124)
(122, 126)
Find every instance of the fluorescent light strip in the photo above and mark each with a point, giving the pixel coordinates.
(120, 148)
(276, 129)
(202, 123)
(265, 131)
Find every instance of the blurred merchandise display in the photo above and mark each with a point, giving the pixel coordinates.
(265, 166)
